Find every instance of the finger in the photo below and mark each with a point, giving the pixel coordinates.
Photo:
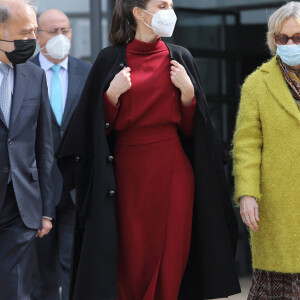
(256, 213)
(247, 222)
(253, 222)
(42, 233)
(127, 70)
(175, 63)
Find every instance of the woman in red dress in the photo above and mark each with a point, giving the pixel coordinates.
(134, 238)
(146, 103)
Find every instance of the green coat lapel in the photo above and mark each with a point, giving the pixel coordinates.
(279, 88)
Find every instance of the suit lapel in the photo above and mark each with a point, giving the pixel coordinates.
(19, 91)
(73, 86)
(279, 88)
(2, 118)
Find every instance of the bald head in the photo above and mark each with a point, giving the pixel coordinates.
(10, 7)
(53, 17)
(51, 23)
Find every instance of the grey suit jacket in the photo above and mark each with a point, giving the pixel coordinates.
(78, 71)
(26, 147)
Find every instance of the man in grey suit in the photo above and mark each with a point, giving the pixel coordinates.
(66, 77)
(26, 150)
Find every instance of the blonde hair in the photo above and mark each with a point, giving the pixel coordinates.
(287, 11)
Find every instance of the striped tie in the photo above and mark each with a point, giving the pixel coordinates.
(5, 93)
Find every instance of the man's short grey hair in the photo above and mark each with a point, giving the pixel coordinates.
(287, 11)
(5, 13)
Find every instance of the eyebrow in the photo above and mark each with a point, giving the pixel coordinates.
(164, 2)
(286, 34)
(28, 29)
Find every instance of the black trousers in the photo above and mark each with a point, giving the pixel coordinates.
(54, 255)
(16, 251)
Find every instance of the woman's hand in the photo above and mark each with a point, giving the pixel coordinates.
(249, 212)
(119, 85)
(182, 81)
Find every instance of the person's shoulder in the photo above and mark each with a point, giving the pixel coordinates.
(108, 56)
(256, 77)
(35, 59)
(83, 64)
(32, 67)
(180, 50)
(111, 53)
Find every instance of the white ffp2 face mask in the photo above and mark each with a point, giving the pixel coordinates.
(58, 47)
(163, 22)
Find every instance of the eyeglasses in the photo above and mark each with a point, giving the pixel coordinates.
(55, 31)
(282, 39)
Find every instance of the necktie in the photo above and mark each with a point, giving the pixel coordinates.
(5, 93)
(56, 94)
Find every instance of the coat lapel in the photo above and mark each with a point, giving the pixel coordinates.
(19, 91)
(279, 88)
(73, 86)
(2, 118)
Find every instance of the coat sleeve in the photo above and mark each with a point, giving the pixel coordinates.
(44, 151)
(247, 145)
(111, 112)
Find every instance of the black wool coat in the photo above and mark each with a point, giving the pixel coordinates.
(85, 161)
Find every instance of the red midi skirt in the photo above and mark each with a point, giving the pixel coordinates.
(155, 193)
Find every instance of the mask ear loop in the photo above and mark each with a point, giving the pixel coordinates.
(145, 22)
(47, 54)
(7, 42)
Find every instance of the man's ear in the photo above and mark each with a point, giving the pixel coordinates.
(2, 31)
(37, 37)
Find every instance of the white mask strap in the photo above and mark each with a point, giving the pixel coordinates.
(43, 52)
(148, 12)
(147, 25)
(145, 22)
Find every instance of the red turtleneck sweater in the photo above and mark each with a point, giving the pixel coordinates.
(155, 181)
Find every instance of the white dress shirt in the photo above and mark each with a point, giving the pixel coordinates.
(63, 75)
(11, 77)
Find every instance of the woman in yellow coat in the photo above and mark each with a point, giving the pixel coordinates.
(266, 156)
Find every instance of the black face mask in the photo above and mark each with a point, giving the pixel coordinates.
(24, 49)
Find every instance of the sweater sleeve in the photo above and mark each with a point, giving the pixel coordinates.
(111, 112)
(247, 146)
(187, 118)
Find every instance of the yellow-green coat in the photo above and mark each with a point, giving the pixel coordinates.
(267, 166)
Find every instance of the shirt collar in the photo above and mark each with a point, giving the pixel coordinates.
(46, 64)
(10, 64)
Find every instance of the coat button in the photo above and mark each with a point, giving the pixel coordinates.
(111, 193)
(61, 132)
(107, 125)
(121, 66)
(9, 142)
(5, 170)
(77, 159)
(110, 158)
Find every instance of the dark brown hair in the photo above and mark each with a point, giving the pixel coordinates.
(123, 24)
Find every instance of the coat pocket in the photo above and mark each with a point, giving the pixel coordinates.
(34, 173)
(31, 102)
